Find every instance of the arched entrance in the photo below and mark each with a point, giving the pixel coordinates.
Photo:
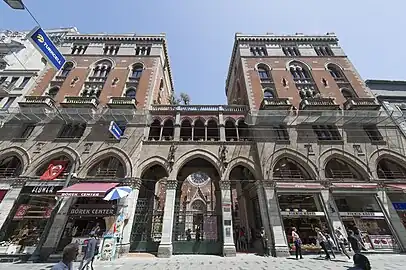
(147, 227)
(247, 219)
(197, 224)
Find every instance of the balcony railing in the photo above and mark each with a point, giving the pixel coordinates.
(198, 108)
(37, 101)
(122, 102)
(275, 104)
(361, 104)
(79, 102)
(390, 174)
(9, 172)
(318, 104)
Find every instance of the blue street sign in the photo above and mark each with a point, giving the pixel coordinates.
(399, 205)
(115, 130)
(46, 47)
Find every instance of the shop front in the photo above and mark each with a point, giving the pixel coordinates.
(397, 195)
(91, 214)
(360, 211)
(30, 214)
(303, 210)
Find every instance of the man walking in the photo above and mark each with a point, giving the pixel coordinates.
(70, 252)
(90, 253)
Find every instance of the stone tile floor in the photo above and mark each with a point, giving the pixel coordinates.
(241, 262)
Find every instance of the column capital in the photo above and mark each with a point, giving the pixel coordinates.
(136, 183)
(171, 184)
(225, 185)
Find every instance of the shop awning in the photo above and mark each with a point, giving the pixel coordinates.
(299, 185)
(87, 190)
(355, 185)
(399, 187)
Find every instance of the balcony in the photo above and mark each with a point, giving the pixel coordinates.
(366, 104)
(80, 102)
(201, 108)
(37, 102)
(318, 104)
(275, 104)
(122, 103)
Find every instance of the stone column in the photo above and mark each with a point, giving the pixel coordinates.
(221, 127)
(6, 206)
(165, 247)
(227, 220)
(280, 241)
(393, 219)
(128, 206)
(332, 213)
(176, 135)
(57, 228)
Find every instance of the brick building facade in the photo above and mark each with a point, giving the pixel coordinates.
(303, 143)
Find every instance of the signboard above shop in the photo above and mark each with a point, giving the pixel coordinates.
(46, 47)
(93, 210)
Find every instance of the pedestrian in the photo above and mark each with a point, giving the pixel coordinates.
(361, 262)
(358, 236)
(323, 242)
(342, 242)
(243, 240)
(298, 243)
(354, 243)
(69, 254)
(90, 253)
(331, 246)
(264, 240)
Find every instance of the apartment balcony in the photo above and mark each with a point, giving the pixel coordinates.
(37, 102)
(275, 104)
(366, 104)
(317, 104)
(197, 109)
(122, 103)
(80, 102)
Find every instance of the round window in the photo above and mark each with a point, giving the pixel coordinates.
(199, 178)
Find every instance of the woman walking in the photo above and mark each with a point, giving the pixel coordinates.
(342, 242)
(323, 242)
(298, 243)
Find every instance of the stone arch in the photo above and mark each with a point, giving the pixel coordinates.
(19, 152)
(298, 157)
(237, 121)
(360, 166)
(288, 63)
(333, 64)
(380, 154)
(245, 162)
(156, 119)
(199, 118)
(111, 60)
(265, 65)
(188, 156)
(167, 119)
(230, 119)
(186, 118)
(138, 63)
(212, 119)
(148, 163)
(63, 150)
(105, 153)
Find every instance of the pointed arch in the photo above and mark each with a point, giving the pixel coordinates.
(20, 153)
(385, 154)
(149, 163)
(193, 154)
(186, 129)
(155, 130)
(245, 162)
(213, 131)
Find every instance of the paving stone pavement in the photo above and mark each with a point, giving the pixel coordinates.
(241, 262)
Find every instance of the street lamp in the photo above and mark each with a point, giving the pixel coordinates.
(15, 4)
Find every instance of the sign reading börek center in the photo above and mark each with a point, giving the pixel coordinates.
(93, 210)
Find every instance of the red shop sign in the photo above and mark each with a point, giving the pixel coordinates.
(22, 211)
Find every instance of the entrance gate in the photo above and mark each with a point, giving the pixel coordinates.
(147, 228)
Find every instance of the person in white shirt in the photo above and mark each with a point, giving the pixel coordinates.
(298, 243)
(323, 242)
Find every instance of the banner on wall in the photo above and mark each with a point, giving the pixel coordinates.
(55, 168)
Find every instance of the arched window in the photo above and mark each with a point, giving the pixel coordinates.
(131, 92)
(303, 80)
(339, 169)
(287, 168)
(199, 130)
(263, 72)
(337, 73)
(66, 69)
(53, 91)
(102, 69)
(167, 130)
(347, 93)
(106, 168)
(155, 131)
(268, 93)
(199, 205)
(243, 131)
(186, 130)
(389, 169)
(230, 130)
(213, 132)
(136, 71)
(10, 167)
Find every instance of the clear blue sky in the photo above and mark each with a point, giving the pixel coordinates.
(200, 33)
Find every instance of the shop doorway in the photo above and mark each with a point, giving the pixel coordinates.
(362, 213)
(197, 219)
(304, 212)
(247, 219)
(147, 227)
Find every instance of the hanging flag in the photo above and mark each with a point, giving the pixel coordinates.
(55, 168)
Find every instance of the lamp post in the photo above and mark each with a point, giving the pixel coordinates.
(15, 4)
